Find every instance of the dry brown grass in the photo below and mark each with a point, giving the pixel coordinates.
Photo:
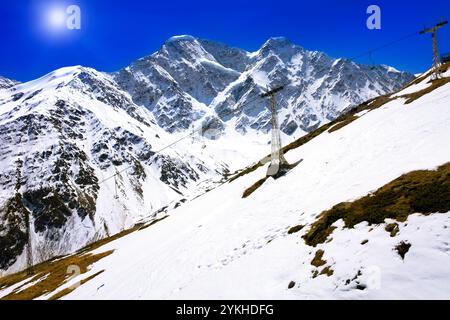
(422, 191)
(66, 291)
(253, 188)
(142, 227)
(435, 84)
(246, 171)
(343, 123)
(393, 229)
(102, 242)
(53, 275)
(327, 271)
(295, 229)
(317, 261)
(402, 249)
(56, 273)
(443, 69)
(418, 94)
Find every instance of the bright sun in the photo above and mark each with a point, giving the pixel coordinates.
(56, 17)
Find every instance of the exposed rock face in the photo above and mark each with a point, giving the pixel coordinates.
(189, 78)
(6, 83)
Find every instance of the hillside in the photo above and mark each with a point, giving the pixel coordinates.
(365, 214)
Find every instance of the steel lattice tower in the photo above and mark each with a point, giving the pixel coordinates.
(436, 60)
(30, 264)
(278, 163)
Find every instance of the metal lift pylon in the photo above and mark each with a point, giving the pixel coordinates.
(436, 59)
(278, 164)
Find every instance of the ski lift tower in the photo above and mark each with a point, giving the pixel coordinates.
(278, 164)
(436, 60)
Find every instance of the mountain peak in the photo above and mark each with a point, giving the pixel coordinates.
(183, 37)
(277, 41)
(182, 46)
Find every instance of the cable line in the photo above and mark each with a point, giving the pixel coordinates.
(191, 134)
(384, 46)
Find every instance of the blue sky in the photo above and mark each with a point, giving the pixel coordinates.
(114, 33)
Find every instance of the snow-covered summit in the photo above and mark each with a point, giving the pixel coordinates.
(183, 37)
(277, 42)
(189, 76)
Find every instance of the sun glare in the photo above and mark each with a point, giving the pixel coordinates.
(56, 18)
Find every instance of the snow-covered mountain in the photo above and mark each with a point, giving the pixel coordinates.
(6, 83)
(364, 214)
(189, 80)
(80, 148)
(61, 139)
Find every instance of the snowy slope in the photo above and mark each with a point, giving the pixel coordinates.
(223, 246)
